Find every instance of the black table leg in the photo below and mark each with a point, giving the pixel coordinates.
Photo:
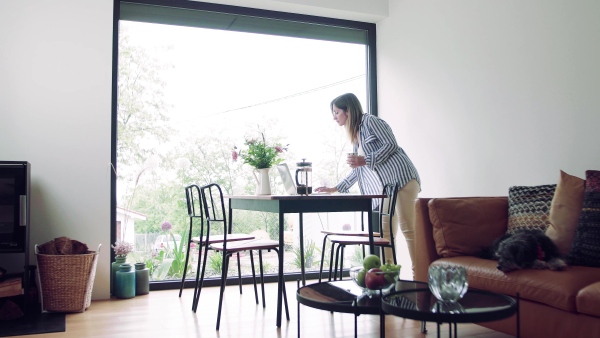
(298, 283)
(302, 250)
(280, 278)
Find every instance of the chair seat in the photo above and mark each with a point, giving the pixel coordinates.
(219, 238)
(349, 233)
(255, 244)
(358, 240)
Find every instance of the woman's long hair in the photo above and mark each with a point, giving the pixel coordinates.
(350, 104)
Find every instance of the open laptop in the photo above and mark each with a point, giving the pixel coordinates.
(288, 181)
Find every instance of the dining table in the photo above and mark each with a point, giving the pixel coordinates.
(300, 204)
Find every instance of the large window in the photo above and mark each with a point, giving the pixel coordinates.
(196, 81)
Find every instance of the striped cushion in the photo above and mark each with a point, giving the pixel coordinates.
(529, 207)
(586, 246)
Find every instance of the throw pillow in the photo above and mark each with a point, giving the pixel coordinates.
(586, 246)
(565, 210)
(529, 207)
(464, 226)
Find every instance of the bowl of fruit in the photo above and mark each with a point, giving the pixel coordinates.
(374, 277)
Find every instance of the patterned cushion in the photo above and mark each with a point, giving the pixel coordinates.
(586, 246)
(529, 207)
(565, 211)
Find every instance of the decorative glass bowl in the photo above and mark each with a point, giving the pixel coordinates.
(448, 283)
(387, 280)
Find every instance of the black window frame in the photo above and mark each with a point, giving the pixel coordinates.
(371, 78)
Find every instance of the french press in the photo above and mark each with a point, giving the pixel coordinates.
(304, 178)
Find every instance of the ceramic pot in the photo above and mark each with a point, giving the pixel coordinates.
(263, 184)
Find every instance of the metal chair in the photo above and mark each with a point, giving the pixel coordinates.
(385, 209)
(327, 233)
(196, 217)
(215, 212)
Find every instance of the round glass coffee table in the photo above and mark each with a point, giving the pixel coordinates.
(475, 307)
(345, 296)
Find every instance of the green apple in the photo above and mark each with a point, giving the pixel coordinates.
(371, 261)
(360, 278)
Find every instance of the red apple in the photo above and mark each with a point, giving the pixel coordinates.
(375, 280)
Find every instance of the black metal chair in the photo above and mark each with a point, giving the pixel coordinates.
(385, 209)
(216, 218)
(196, 217)
(327, 233)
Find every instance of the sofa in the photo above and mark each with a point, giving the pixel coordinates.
(552, 303)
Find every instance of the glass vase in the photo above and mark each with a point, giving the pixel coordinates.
(142, 279)
(125, 285)
(113, 271)
(448, 283)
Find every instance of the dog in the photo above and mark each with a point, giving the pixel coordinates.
(525, 249)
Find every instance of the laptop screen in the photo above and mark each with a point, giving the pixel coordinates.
(286, 178)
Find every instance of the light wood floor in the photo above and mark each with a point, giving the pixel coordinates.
(164, 314)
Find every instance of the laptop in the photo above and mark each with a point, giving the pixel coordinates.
(288, 181)
(286, 178)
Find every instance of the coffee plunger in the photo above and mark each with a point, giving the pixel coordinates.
(304, 177)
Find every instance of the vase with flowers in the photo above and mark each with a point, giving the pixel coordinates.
(261, 156)
(121, 250)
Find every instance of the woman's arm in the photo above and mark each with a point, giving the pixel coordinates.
(379, 142)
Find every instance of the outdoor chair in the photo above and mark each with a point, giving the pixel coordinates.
(216, 220)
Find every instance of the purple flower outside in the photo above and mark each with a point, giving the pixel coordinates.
(166, 226)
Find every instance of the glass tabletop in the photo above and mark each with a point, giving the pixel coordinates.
(345, 296)
(475, 306)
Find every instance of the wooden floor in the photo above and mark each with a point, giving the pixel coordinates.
(164, 314)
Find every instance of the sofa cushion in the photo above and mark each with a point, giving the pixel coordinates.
(588, 299)
(565, 210)
(529, 207)
(586, 246)
(465, 226)
(554, 288)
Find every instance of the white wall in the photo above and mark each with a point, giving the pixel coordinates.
(55, 95)
(55, 109)
(484, 95)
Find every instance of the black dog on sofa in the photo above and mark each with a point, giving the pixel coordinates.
(525, 249)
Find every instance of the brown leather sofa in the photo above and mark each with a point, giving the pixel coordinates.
(552, 303)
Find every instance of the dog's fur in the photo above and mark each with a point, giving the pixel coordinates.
(525, 249)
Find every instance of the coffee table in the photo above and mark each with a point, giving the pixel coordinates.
(476, 306)
(345, 296)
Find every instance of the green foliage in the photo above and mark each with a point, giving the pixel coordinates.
(311, 255)
(260, 155)
(159, 266)
(357, 257)
(215, 262)
(178, 254)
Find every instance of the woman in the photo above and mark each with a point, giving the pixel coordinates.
(377, 160)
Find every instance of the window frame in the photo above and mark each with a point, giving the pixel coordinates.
(371, 80)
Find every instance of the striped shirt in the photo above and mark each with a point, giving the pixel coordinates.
(386, 161)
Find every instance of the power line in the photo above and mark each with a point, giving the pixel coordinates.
(288, 96)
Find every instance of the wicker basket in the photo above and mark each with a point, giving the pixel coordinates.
(66, 281)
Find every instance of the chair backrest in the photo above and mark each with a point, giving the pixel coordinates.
(214, 209)
(194, 201)
(194, 206)
(389, 208)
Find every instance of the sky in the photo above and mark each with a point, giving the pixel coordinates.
(244, 81)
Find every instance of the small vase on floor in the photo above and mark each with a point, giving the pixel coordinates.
(125, 286)
(113, 271)
(142, 279)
